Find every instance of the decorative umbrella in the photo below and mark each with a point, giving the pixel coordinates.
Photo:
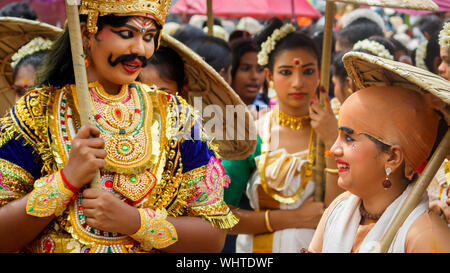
(14, 33)
(444, 5)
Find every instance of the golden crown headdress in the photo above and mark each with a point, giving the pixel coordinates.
(94, 8)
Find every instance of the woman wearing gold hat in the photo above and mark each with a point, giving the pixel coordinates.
(387, 132)
(149, 172)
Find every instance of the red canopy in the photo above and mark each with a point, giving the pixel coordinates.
(252, 8)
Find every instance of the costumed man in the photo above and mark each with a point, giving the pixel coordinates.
(161, 182)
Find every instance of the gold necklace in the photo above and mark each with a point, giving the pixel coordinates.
(307, 169)
(286, 120)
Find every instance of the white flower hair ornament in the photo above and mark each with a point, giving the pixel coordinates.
(421, 54)
(35, 45)
(444, 37)
(269, 45)
(374, 47)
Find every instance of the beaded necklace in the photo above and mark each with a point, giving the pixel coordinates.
(365, 215)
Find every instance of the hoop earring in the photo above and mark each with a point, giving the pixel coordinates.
(387, 183)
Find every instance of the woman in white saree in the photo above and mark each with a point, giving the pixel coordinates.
(387, 132)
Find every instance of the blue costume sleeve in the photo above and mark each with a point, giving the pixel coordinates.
(23, 156)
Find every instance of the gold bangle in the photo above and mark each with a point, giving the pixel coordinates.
(331, 171)
(266, 221)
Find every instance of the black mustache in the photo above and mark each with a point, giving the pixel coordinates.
(127, 58)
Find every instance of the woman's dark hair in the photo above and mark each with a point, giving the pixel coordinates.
(318, 38)
(19, 9)
(238, 49)
(430, 24)
(215, 51)
(34, 59)
(432, 52)
(338, 68)
(169, 65)
(399, 46)
(385, 42)
(360, 29)
(293, 40)
(57, 69)
(189, 35)
(216, 21)
(238, 34)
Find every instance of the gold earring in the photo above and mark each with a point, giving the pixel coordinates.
(87, 62)
(271, 84)
(350, 91)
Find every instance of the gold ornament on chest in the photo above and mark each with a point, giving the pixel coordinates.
(124, 121)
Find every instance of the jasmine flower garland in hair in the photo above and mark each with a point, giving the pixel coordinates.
(35, 45)
(444, 37)
(375, 47)
(269, 45)
(421, 53)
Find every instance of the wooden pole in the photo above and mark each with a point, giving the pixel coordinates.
(79, 68)
(416, 193)
(293, 17)
(325, 82)
(210, 22)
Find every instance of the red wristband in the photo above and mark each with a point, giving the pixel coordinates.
(72, 188)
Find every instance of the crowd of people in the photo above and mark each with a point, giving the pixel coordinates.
(386, 111)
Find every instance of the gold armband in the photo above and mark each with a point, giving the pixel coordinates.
(49, 196)
(155, 231)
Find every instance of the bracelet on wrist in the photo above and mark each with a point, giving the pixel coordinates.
(267, 222)
(331, 171)
(70, 186)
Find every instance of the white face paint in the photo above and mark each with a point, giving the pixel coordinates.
(143, 24)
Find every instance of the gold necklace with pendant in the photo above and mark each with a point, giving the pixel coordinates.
(124, 122)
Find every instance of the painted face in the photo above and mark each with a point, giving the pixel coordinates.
(24, 79)
(295, 77)
(119, 53)
(444, 67)
(249, 77)
(360, 163)
(150, 75)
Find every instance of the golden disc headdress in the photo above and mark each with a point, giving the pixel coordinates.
(158, 9)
